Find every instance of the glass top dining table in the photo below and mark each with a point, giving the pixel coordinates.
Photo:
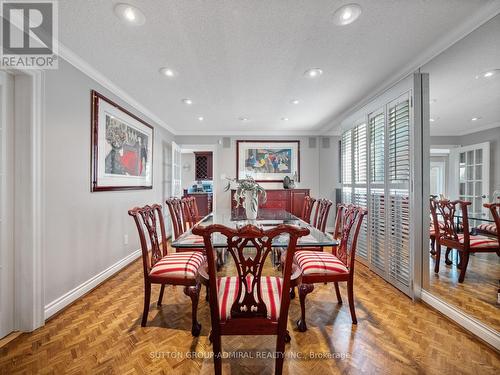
(266, 219)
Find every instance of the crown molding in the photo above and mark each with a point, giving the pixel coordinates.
(83, 66)
(483, 15)
(215, 133)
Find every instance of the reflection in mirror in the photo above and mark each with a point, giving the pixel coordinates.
(463, 261)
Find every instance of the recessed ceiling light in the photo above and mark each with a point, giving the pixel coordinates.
(489, 74)
(475, 118)
(167, 72)
(201, 118)
(295, 101)
(187, 101)
(433, 119)
(130, 14)
(346, 14)
(243, 118)
(313, 73)
(284, 118)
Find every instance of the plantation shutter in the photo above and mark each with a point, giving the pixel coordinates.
(377, 209)
(398, 241)
(346, 155)
(360, 184)
(376, 174)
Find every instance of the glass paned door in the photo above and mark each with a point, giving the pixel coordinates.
(473, 176)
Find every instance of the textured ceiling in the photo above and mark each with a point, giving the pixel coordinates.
(457, 96)
(246, 58)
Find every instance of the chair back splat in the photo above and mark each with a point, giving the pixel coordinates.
(307, 208)
(175, 208)
(148, 219)
(321, 214)
(351, 224)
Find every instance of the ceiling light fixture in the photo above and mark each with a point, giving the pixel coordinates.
(201, 118)
(130, 14)
(243, 118)
(432, 101)
(489, 74)
(433, 119)
(187, 101)
(346, 14)
(295, 101)
(167, 72)
(475, 119)
(284, 118)
(313, 73)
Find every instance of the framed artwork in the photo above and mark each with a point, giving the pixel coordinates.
(122, 148)
(268, 161)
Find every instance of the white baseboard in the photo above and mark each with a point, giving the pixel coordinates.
(63, 301)
(472, 325)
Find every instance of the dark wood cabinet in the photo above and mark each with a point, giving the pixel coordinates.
(203, 166)
(290, 200)
(203, 201)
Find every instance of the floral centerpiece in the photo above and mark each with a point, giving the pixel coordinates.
(247, 194)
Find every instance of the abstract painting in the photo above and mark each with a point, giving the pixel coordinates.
(122, 148)
(268, 161)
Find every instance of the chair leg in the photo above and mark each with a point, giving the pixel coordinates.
(280, 354)
(438, 258)
(216, 341)
(465, 261)
(433, 246)
(337, 292)
(304, 290)
(194, 293)
(447, 259)
(350, 296)
(147, 300)
(160, 297)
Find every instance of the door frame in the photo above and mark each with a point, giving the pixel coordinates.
(29, 204)
(213, 150)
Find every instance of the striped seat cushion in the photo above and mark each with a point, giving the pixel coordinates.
(270, 286)
(480, 241)
(319, 262)
(182, 265)
(490, 228)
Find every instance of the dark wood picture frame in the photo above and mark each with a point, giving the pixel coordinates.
(95, 98)
(267, 141)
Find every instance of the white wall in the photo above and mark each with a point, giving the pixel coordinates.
(187, 175)
(84, 231)
(318, 166)
(490, 135)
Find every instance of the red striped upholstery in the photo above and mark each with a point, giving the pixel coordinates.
(270, 286)
(319, 262)
(479, 241)
(490, 228)
(183, 265)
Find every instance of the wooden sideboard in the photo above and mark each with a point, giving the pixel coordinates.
(203, 201)
(287, 199)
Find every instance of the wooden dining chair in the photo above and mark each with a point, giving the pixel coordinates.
(249, 303)
(163, 268)
(450, 237)
(490, 229)
(190, 212)
(307, 208)
(325, 267)
(321, 214)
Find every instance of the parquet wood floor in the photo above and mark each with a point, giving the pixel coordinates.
(477, 295)
(101, 334)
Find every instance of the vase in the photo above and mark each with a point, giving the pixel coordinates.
(250, 208)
